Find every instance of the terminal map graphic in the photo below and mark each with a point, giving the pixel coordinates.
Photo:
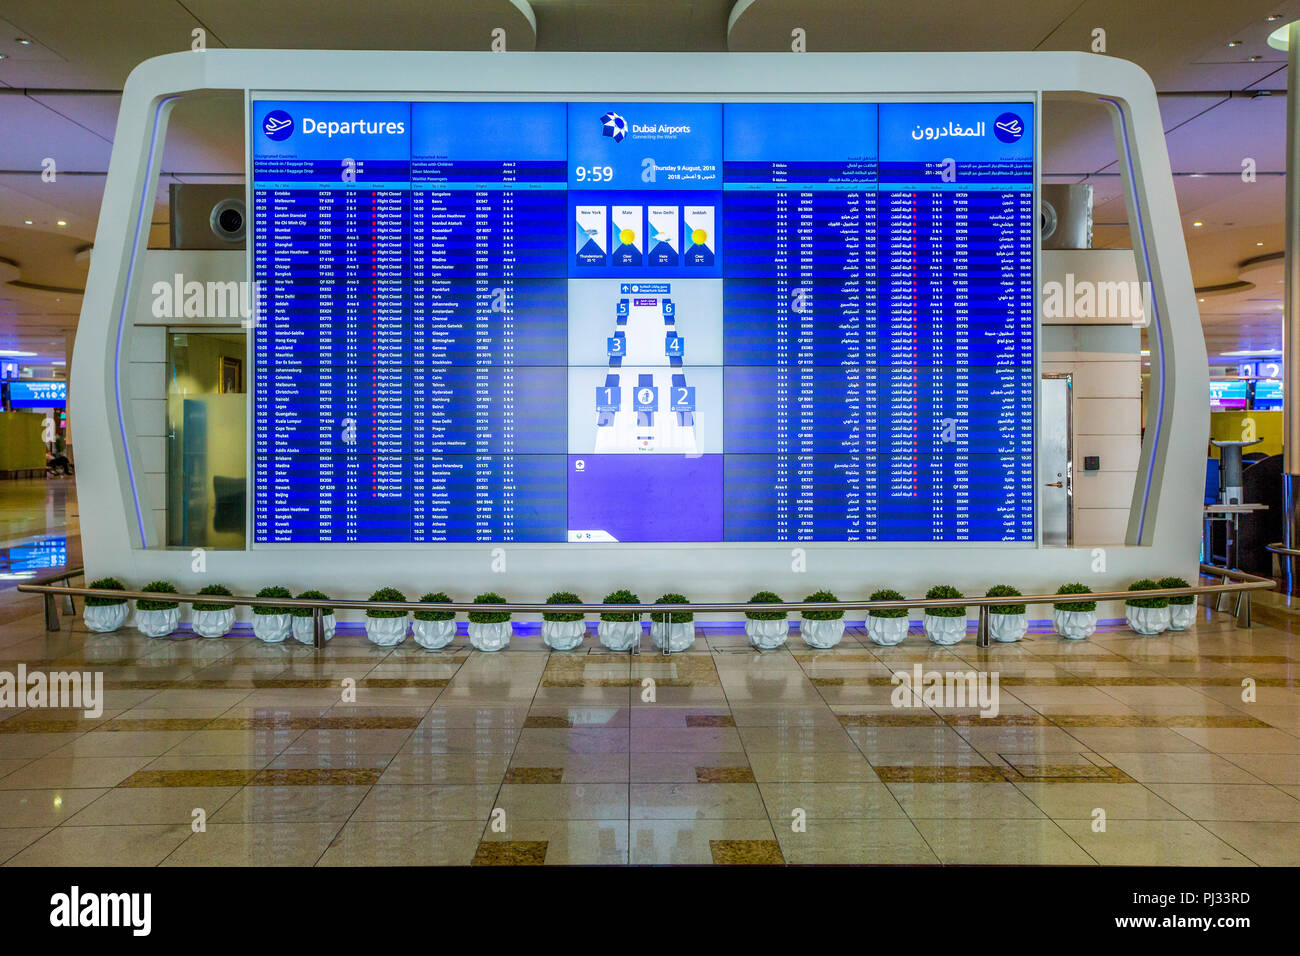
(643, 322)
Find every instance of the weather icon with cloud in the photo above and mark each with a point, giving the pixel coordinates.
(613, 126)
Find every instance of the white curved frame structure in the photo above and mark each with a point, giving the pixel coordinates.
(1166, 507)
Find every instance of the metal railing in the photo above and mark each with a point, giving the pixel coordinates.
(1232, 582)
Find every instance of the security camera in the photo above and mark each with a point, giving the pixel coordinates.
(227, 220)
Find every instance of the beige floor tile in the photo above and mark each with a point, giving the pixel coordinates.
(1244, 740)
(1242, 802)
(1153, 843)
(409, 768)
(820, 717)
(1198, 767)
(122, 744)
(256, 844)
(476, 716)
(428, 802)
(659, 842)
(350, 740)
(259, 741)
(852, 801)
(664, 739)
(1000, 842)
(1134, 740)
(571, 842)
(9, 764)
(1077, 801)
(31, 746)
(463, 740)
(1268, 844)
(14, 839)
(43, 808)
(437, 843)
(291, 804)
(103, 846)
(152, 805)
(681, 766)
(695, 801)
(72, 772)
(563, 801)
(955, 801)
(823, 767)
(581, 740)
(803, 739)
(1021, 740)
(1277, 769)
(938, 740)
(876, 842)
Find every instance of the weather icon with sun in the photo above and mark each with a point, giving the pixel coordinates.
(613, 126)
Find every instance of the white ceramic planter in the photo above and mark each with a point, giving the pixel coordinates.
(272, 628)
(433, 635)
(887, 631)
(105, 617)
(821, 633)
(680, 635)
(213, 623)
(303, 632)
(157, 623)
(766, 635)
(1008, 628)
(1181, 616)
(619, 635)
(945, 630)
(386, 631)
(1074, 625)
(563, 635)
(490, 637)
(1147, 620)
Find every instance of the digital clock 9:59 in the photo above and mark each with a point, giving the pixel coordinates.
(593, 174)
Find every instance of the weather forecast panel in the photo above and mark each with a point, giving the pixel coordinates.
(642, 321)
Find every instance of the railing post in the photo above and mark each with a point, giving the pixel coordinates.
(668, 644)
(51, 614)
(69, 606)
(1243, 609)
(317, 628)
(982, 628)
(1221, 602)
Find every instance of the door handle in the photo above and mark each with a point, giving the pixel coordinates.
(1055, 484)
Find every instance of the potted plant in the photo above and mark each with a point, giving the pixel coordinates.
(212, 620)
(767, 629)
(887, 625)
(1149, 615)
(821, 627)
(157, 618)
(1182, 610)
(944, 625)
(563, 630)
(676, 629)
(433, 629)
(272, 622)
(303, 630)
(386, 628)
(489, 630)
(105, 614)
(619, 630)
(1007, 622)
(1074, 620)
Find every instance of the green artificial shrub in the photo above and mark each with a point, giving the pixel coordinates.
(311, 596)
(821, 613)
(106, 584)
(621, 596)
(766, 597)
(944, 591)
(435, 597)
(220, 589)
(1004, 590)
(489, 617)
(1080, 606)
(386, 594)
(1177, 583)
(1146, 584)
(887, 594)
(674, 617)
(157, 587)
(563, 597)
(273, 591)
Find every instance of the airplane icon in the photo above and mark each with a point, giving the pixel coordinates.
(274, 125)
(1012, 126)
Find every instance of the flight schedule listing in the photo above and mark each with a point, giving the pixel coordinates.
(643, 322)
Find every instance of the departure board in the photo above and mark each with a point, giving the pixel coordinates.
(643, 322)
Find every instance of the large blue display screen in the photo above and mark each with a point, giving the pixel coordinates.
(644, 322)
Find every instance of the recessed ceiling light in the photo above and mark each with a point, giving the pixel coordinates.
(64, 222)
(2, 56)
(1273, 16)
(1198, 224)
(1259, 243)
(27, 222)
(14, 353)
(23, 41)
(1234, 43)
(1200, 300)
(1256, 58)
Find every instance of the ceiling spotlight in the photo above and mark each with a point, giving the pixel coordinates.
(1273, 16)
(64, 222)
(22, 41)
(1259, 243)
(2, 56)
(15, 353)
(1197, 224)
(1256, 58)
(27, 222)
(1200, 300)
(1234, 43)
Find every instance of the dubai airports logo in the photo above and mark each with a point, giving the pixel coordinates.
(277, 125)
(1008, 128)
(613, 126)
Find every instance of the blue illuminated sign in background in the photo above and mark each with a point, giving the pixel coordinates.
(38, 394)
(643, 321)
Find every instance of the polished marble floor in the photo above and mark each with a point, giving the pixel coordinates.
(1116, 750)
